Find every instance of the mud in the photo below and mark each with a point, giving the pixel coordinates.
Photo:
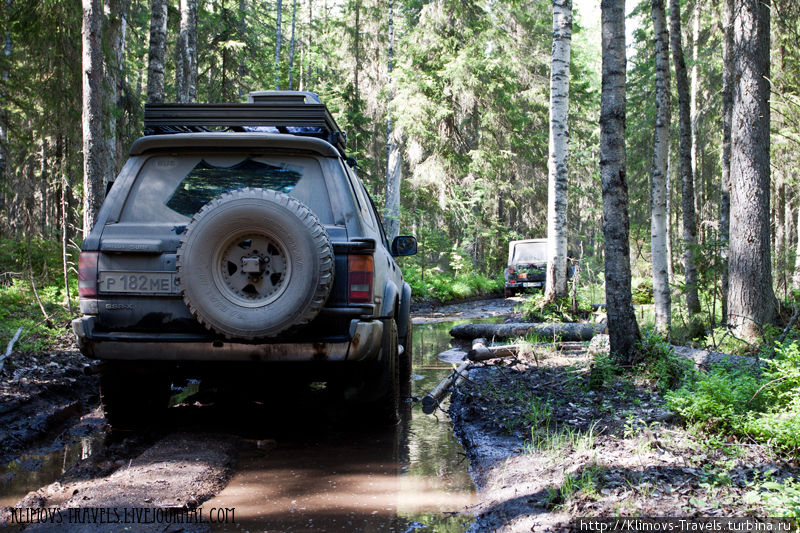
(307, 465)
(545, 449)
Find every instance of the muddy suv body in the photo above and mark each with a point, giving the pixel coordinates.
(233, 256)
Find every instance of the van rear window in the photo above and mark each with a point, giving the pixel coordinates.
(207, 181)
(172, 188)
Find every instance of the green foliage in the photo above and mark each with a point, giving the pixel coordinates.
(445, 286)
(717, 400)
(537, 309)
(587, 482)
(661, 365)
(643, 292)
(603, 371)
(18, 306)
(781, 499)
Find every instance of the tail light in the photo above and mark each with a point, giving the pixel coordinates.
(87, 275)
(361, 270)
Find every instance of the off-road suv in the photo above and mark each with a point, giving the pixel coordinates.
(527, 265)
(238, 246)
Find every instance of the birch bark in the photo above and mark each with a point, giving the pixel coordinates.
(556, 284)
(658, 175)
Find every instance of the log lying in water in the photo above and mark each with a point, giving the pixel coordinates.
(560, 331)
(431, 400)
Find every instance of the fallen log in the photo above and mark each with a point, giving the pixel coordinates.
(482, 353)
(559, 331)
(431, 400)
(704, 359)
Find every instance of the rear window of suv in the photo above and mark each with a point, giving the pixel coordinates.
(173, 188)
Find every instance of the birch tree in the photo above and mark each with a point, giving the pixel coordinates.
(556, 284)
(658, 175)
(622, 327)
(158, 48)
(751, 300)
(186, 71)
(687, 185)
(92, 109)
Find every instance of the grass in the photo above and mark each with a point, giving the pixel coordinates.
(18, 305)
(447, 287)
(586, 482)
(557, 440)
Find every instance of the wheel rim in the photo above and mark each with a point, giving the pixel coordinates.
(252, 269)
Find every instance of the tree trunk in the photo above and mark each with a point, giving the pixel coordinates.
(694, 89)
(796, 277)
(556, 284)
(658, 176)
(241, 31)
(94, 176)
(725, 186)
(623, 329)
(751, 301)
(186, 70)
(687, 185)
(4, 152)
(113, 36)
(158, 48)
(393, 162)
(278, 46)
(291, 44)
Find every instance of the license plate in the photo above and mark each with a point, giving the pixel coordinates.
(532, 284)
(138, 282)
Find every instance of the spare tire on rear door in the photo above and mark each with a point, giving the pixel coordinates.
(253, 263)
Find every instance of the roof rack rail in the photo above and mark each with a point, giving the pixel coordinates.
(293, 112)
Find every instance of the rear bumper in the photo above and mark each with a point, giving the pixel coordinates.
(364, 344)
(525, 285)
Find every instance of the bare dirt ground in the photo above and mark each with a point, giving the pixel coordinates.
(545, 449)
(40, 392)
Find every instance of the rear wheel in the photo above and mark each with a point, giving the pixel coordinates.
(407, 357)
(375, 386)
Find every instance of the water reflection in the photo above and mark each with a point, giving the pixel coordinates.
(411, 477)
(31, 471)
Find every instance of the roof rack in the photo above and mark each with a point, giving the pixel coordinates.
(293, 112)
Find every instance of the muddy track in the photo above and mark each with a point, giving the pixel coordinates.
(49, 406)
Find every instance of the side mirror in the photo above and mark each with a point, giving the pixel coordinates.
(404, 245)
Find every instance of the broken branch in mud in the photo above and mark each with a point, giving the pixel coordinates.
(10, 347)
(556, 331)
(432, 400)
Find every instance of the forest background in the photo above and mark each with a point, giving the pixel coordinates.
(456, 92)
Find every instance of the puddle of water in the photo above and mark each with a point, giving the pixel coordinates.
(31, 471)
(414, 477)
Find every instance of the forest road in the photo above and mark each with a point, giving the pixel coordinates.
(284, 458)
